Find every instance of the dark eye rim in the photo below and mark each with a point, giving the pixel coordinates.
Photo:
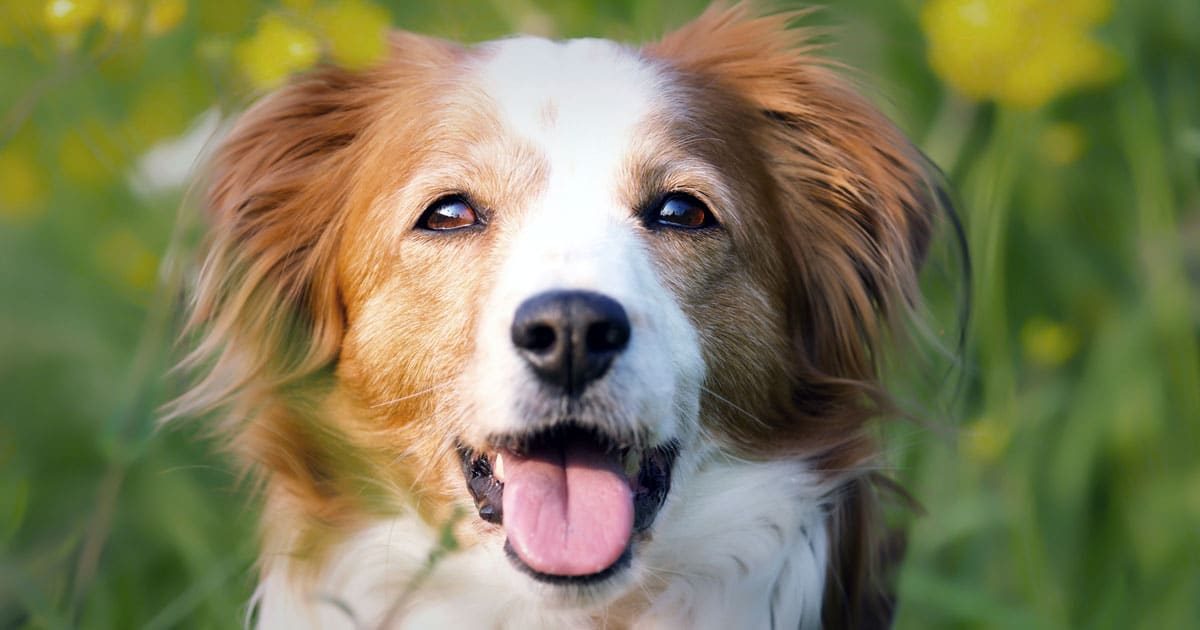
(422, 221)
(652, 219)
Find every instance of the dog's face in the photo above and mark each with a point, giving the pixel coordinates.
(546, 280)
(572, 247)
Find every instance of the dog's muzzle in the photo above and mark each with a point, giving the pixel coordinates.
(574, 488)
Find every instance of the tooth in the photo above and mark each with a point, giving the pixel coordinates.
(633, 462)
(498, 467)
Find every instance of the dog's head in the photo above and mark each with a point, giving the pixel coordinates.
(545, 279)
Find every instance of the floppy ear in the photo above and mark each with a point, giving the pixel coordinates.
(855, 199)
(266, 307)
(265, 303)
(857, 204)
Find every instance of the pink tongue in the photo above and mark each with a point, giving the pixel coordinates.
(569, 510)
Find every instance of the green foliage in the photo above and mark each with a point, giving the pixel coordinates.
(1061, 487)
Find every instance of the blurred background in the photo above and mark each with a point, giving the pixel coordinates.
(1058, 468)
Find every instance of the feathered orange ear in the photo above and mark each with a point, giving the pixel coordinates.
(266, 305)
(856, 200)
(265, 302)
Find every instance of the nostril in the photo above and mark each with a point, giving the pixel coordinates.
(606, 336)
(539, 338)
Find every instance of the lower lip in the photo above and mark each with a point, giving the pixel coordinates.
(593, 579)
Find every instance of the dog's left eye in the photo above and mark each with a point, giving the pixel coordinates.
(681, 210)
(448, 213)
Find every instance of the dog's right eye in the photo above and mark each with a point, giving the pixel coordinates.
(448, 213)
(681, 210)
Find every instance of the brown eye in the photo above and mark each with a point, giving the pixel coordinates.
(448, 213)
(681, 210)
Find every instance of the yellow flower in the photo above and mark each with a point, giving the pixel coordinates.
(1047, 343)
(162, 16)
(985, 440)
(22, 184)
(1063, 143)
(1022, 53)
(69, 17)
(356, 32)
(275, 51)
(117, 15)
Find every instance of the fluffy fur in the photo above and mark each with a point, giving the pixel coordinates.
(351, 354)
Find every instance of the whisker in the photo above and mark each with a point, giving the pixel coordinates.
(734, 406)
(427, 390)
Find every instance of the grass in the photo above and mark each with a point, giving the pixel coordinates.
(1061, 487)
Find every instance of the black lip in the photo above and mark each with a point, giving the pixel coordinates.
(485, 489)
(654, 483)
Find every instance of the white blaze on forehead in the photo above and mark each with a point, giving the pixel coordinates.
(580, 101)
(582, 105)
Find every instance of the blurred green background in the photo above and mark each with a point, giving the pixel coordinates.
(1060, 481)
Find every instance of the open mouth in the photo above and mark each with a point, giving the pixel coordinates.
(570, 498)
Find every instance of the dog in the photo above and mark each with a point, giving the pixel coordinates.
(564, 334)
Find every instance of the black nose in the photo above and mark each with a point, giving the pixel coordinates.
(570, 338)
